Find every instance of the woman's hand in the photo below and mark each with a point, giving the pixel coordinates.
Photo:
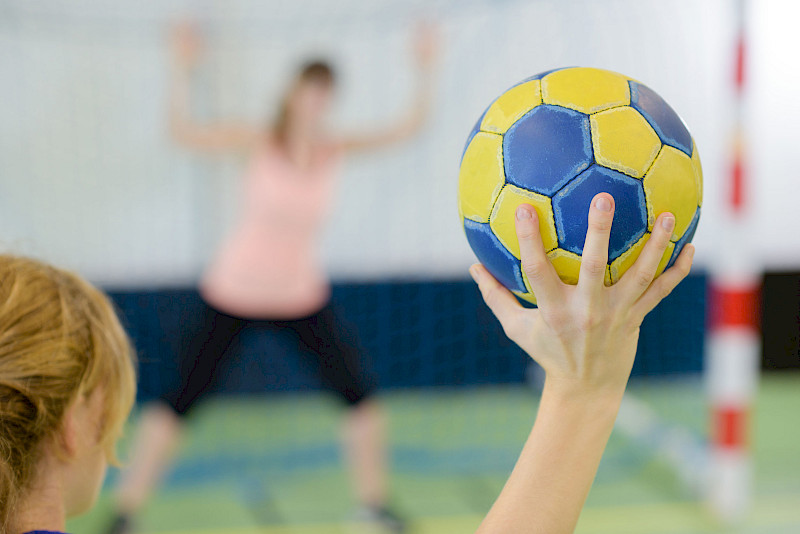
(584, 336)
(426, 45)
(186, 45)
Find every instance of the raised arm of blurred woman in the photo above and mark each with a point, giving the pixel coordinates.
(183, 127)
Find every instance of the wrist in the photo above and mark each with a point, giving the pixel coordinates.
(581, 393)
(424, 70)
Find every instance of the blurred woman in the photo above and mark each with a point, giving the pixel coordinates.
(66, 387)
(267, 274)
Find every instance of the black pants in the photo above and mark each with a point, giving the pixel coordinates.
(205, 346)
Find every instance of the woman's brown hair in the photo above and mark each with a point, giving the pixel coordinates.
(59, 339)
(319, 72)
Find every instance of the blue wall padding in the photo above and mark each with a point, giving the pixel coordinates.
(417, 334)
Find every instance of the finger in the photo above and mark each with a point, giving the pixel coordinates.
(541, 274)
(594, 259)
(665, 283)
(642, 273)
(500, 300)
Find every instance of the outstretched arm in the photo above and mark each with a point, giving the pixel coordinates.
(411, 123)
(183, 128)
(585, 338)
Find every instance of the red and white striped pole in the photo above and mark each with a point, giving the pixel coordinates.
(733, 348)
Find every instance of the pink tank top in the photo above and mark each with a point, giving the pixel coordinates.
(268, 267)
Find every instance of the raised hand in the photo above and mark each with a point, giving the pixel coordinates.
(584, 336)
(186, 44)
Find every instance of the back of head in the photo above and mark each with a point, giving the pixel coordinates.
(59, 339)
(317, 71)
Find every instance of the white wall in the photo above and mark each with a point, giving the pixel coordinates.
(773, 119)
(88, 178)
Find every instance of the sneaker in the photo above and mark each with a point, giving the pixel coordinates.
(121, 524)
(379, 519)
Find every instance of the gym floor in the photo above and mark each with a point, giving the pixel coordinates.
(271, 465)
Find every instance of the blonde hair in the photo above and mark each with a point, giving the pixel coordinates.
(59, 339)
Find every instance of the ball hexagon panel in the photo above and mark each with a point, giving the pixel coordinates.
(473, 133)
(698, 174)
(670, 185)
(511, 106)
(586, 90)
(620, 266)
(502, 220)
(530, 297)
(667, 124)
(568, 266)
(542, 75)
(686, 238)
(546, 148)
(494, 256)
(571, 207)
(624, 141)
(528, 293)
(481, 176)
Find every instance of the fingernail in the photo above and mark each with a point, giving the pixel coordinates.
(602, 204)
(473, 271)
(523, 213)
(668, 223)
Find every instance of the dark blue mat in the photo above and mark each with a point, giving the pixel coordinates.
(416, 334)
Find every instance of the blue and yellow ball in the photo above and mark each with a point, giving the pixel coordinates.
(557, 139)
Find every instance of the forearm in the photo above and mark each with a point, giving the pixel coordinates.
(179, 115)
(407, 126)
(550, 482)
(420, 109)
(422, 100)
(213, 137)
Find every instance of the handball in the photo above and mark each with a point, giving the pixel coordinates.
(557, 139)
